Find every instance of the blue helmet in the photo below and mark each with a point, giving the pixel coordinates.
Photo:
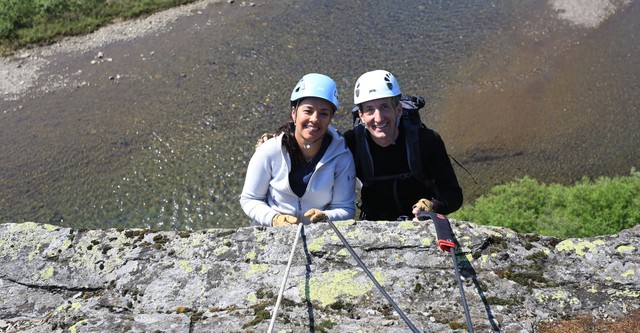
(316, 85)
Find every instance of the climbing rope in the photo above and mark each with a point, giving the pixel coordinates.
(373, 279)
(284, 279)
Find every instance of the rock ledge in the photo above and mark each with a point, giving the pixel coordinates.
(55, 279)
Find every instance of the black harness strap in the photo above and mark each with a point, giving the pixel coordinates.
(411, 125)
(413, 147)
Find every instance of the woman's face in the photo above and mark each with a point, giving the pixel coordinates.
(312, 119)
(380, 116)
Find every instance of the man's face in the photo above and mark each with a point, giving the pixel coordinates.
(380, 116)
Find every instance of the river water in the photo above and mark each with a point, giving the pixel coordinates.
(158, 131)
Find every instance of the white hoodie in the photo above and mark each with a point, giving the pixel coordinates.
(266, 190)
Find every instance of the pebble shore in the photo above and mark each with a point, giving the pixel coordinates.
(21, 72)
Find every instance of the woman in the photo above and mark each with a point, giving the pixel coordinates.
(305, 173)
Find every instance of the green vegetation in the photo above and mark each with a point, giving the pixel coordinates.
(587, 208)
(325, 326)
(260, 312)
(25, 23)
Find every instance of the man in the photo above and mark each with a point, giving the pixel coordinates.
(391, 187)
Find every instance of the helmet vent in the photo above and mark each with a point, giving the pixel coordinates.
(320, 86)
(375, 85)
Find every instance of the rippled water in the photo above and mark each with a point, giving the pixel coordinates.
(160, 136)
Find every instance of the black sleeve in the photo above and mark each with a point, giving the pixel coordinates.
(447, 194)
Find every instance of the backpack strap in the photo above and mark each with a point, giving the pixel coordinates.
(364, 155)
(413, 145)
(411, 123)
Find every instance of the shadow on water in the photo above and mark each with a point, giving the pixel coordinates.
(160, 136)
(549, 100)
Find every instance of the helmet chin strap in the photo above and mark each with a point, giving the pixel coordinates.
(395, 129)
(308, 145)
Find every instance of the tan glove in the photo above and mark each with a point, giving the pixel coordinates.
(263, 138)
(423, 205)
(315, 215)
(283, 220)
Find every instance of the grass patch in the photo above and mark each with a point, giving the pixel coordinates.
(26, 23)
(585, 209)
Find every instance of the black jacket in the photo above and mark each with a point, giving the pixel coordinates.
(389, 199)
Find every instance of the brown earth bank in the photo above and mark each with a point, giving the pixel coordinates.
(588, 324)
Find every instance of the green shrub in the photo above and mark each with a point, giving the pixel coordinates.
(14, 14)
(587, 208)
(35, 22)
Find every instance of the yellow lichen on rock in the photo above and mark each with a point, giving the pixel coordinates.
(316, 244)
(73, 328)
(221, 250)
(255, 268)
(409, 225)
(625, 248)
(250, 255)
(580, 247)
(185, 265)
(628, 293)
(14, 227)
(329, 287)
(628, 273)
(47, 273)
(355, 233)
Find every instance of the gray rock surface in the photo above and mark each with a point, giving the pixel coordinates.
(55, 279)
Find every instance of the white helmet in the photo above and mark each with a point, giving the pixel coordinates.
(316, 85)
(375, 84)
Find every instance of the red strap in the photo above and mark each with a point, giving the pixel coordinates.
(446, 245)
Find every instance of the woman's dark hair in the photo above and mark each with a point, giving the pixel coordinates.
(290, 143)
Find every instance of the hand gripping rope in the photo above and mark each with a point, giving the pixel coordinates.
(355, 256)
(284, 280)
(447, 244)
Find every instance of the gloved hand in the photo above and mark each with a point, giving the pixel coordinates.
(315, 215)
(423, 205)
(263, 138)
(283, 220)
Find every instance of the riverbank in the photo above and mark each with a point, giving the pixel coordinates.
(20, 71)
